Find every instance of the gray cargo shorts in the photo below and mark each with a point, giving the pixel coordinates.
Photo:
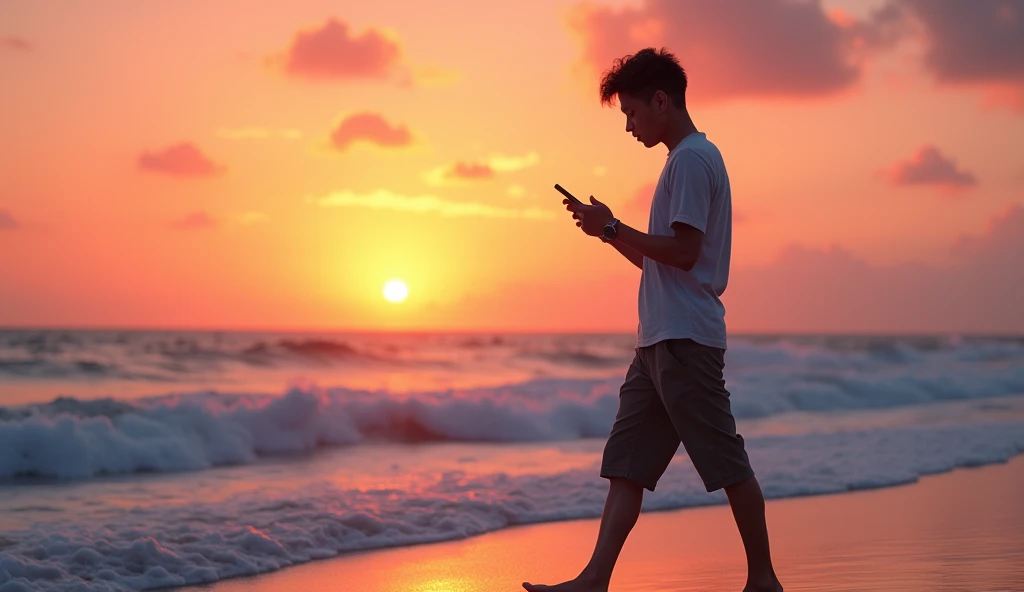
(674, 392)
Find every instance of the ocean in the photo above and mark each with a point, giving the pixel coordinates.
(146, 459)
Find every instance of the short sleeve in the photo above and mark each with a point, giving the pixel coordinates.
(690, 190)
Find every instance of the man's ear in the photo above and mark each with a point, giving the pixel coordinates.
(661, 101)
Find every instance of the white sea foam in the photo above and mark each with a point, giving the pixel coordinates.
(158, 546)
(72, 439)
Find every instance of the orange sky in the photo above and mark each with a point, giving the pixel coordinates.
(202, 165)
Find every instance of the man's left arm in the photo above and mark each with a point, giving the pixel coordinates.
(680, 250)
(689, 182)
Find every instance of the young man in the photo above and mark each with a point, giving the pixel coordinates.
(674, 390)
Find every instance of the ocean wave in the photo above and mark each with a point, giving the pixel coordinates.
(255, 532)
(76, 439)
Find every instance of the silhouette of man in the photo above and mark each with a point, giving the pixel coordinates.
(674, 389)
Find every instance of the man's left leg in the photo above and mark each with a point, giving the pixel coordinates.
(621, 510)
(639, 448)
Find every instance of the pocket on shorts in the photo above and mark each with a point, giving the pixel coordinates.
(681, 351)
(687, 353)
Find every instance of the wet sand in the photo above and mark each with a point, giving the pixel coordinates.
(959, 531)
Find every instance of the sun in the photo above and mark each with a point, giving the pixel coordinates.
(396, 290)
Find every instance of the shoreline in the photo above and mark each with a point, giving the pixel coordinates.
(893, 537)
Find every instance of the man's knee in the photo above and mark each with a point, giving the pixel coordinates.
(739, 485)
(624, 484)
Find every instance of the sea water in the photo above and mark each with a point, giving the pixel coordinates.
(139, 460)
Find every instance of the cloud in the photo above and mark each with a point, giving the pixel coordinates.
(383, 199)
(258, 133)
(180, 160)
(333, 51)
(194, 221)
(485, 169)
(15, 44)
(798, 48)
(472, 170)
(729, 48)
(507, 164)
(928, 166)
(371, 128)
(811, 290)
(1002, 243)
(979, 43)
(7, 221)
(458, 172)
(971, 42)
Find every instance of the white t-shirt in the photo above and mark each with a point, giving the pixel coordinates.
(675, 304)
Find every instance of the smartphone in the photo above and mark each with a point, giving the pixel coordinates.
(571, 197)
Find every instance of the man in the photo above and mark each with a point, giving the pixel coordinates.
(674, 390)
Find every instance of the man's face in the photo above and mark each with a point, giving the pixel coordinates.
(642, 119)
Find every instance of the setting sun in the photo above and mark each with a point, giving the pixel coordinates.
(396, 291)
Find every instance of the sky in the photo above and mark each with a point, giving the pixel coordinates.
(214, 164)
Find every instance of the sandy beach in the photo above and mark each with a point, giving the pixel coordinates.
(960, 531)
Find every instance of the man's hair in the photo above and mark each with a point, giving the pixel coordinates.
(643, 74)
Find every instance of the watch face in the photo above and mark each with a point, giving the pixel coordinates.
(609, 232)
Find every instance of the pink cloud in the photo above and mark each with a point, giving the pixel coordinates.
(479, 169)
(15, 44)
(471, 170)
(1002, 242)
(180, 160)
(7, 221)
(729, 48)
(978, 43)
(372, 128)
(810, 290)
(972, 44)
(194, 221)
(928, 166)
(333, 51)
(968, 42)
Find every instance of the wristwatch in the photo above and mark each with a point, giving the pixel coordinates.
(610, 230)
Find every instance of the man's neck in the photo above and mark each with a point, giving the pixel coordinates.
(681, 127)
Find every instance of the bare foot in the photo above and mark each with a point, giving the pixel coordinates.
(577, 585)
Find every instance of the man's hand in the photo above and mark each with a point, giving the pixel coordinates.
(591, 219)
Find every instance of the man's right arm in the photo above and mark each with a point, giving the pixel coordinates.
(629, 252)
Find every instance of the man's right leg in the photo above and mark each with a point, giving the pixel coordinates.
(747, 504)
(691, 377)
(621, 510)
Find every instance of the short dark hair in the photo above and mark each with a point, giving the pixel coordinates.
(643, 74)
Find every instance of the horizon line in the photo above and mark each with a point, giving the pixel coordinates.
(506, 331)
